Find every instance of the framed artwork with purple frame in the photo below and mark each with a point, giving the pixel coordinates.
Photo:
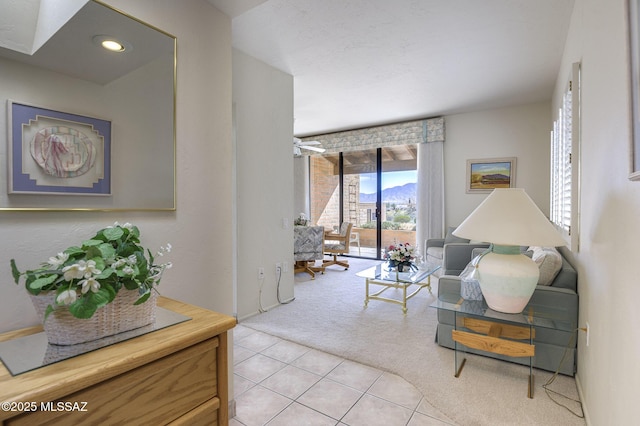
(55, 152)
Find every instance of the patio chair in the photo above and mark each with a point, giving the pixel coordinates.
(355, 238)
(337, 244)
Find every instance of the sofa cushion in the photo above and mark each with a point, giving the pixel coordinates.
(450, 238)
(549, 263)
(435, 253)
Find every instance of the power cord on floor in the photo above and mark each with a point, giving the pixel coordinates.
(260, 308)
(549, 392)
(278, 278)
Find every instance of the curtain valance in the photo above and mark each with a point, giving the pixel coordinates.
(408, 132)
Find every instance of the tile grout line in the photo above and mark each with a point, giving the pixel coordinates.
(324, 376)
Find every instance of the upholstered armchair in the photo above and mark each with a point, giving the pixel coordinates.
(336, 244)
(451, 252)
(308, 246)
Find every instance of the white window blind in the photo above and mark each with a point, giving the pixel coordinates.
(564, 161)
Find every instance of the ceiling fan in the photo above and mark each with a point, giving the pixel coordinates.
(299, 145)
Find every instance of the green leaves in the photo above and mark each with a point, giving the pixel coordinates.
(130, 283)
(106, 274)
(111, 261)
(91, 243)
(113, 234)
(39, 283)
(83, 308)
(107, 251)
(135, 233)
(36, 280)
(74, 251)
(14, 271)
(98, 249)
(143, 298)
(87, 305)
(48, 312)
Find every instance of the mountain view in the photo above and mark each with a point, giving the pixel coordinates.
(397, 194)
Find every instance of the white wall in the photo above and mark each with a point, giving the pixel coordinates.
(521, 132)
(199, 229)
(608, 371)
(263, 105)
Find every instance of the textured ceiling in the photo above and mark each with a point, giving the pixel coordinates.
(358, 63)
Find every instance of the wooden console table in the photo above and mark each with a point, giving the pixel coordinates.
(177, 375)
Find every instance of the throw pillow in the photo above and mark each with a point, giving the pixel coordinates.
(450, 238)
(549, 263)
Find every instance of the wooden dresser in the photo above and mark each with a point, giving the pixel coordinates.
(177, 376)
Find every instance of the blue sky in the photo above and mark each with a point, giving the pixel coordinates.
(389, 180)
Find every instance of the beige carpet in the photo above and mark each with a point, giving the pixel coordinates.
(328, 314)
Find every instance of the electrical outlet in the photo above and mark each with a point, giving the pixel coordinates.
(278, 269)
(285, 267)
(587, 334)
(260, 273)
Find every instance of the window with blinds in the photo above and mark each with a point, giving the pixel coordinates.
(564, 161)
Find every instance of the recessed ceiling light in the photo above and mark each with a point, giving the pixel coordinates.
(112, 44)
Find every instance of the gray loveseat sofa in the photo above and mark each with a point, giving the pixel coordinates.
(550, 344)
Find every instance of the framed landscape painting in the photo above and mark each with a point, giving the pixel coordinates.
(487, 174)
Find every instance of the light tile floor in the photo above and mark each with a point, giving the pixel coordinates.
(280, 383)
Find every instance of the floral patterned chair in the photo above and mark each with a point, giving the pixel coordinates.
(308, 246)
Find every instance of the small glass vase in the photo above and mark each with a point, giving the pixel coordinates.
(401, 267)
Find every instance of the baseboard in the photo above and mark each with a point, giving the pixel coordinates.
(253, 314)
(245, 317)
(232, 409)
(585, 410)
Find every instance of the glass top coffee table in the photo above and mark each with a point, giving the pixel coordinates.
(386, 277)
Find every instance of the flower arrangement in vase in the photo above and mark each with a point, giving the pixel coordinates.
(301, 220)
(107, 271)
(401, 256)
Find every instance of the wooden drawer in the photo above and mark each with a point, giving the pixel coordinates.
(204, 415)
(156, 393)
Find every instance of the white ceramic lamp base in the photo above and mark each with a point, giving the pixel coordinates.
(507, 281)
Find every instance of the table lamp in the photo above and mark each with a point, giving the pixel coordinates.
(508, 219)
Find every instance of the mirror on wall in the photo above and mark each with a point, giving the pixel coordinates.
(85, 128)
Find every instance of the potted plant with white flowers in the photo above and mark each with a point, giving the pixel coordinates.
(104, 286)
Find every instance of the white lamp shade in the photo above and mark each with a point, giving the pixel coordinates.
(509, 217)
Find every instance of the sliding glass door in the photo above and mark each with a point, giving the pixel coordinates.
(399, 178)
(360, 201)
(373, 189)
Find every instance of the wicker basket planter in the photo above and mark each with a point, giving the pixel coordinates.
(119, 316)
